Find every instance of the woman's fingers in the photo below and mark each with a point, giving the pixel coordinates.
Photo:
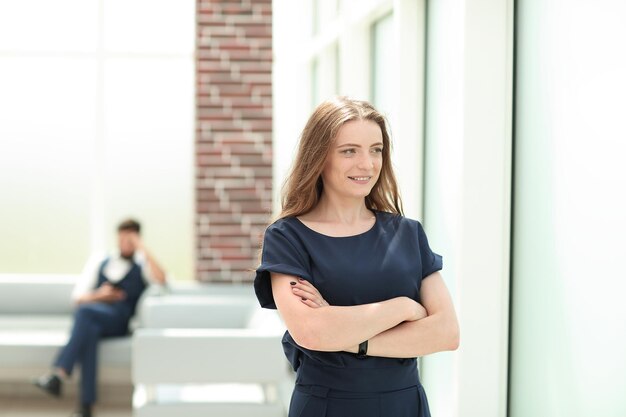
(309, 294)
(310, 303)
(306, 292)
(302, 293)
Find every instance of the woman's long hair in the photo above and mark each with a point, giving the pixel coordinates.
(303, 186)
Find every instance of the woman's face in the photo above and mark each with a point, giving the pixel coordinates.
(355, 159)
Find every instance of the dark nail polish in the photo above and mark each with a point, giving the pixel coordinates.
(293, 283)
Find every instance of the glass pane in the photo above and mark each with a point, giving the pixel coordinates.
(568, 312)
(46, 151)
(323, 13)
(324, 73)
(43, 25)
(315, 84)
(382, 72)
(149, 26)
(337, 74)
(315, 16)
(149, 167)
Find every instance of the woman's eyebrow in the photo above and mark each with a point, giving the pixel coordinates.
(356, 145)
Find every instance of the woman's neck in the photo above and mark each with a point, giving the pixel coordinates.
(339, 211)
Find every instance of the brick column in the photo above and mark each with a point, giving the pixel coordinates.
(233, 135)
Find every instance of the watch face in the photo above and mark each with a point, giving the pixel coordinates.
(362, 349)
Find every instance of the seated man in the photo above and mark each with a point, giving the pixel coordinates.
(106, 299)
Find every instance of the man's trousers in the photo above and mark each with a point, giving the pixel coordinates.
(92, 322)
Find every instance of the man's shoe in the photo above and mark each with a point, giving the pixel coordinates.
(83, 411)
(49, 383)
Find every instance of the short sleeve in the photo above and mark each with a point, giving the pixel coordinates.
(431, 262)
(281, 253)
(89, 276)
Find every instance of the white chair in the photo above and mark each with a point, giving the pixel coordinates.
(209, 355)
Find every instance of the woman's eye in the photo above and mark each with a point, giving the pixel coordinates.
(377, 150)
(348, 151)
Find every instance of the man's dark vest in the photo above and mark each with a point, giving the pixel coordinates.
(132, 284)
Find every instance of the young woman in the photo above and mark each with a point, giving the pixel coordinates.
(355, 282)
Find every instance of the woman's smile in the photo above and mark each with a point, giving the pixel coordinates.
(361, 180)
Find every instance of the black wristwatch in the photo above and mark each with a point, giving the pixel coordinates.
(362, 350)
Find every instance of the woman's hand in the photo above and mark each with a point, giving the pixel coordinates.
(419, 312)
(308, 293)
(312, 298)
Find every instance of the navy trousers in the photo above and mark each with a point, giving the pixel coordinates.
(319, 401)
(92, 322)
(349, 386)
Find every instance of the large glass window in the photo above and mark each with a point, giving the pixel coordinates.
(568, 312)
(97, 125)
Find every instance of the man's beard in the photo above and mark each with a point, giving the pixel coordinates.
(127, 256)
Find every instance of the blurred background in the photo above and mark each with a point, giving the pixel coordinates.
(509, 145)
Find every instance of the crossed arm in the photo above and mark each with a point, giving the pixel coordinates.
(396, 328)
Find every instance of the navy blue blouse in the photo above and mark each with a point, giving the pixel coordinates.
(389, 260)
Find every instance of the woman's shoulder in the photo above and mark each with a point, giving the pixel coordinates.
(282, 224)
(284, 235)
(285, 228)
(396, 221)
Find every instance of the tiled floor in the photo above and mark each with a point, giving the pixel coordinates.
(22, 399)
(52, 408)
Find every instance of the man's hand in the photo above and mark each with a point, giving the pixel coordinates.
(138, 246)
(109, 294)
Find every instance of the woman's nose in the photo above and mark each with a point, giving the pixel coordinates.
(366, 162)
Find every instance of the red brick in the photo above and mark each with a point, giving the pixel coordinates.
(252, 67)
(213, 207)
(236, 10)
(255, 30)
(213, 160)
(215, 117)
(208, 52)
(257, 125)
